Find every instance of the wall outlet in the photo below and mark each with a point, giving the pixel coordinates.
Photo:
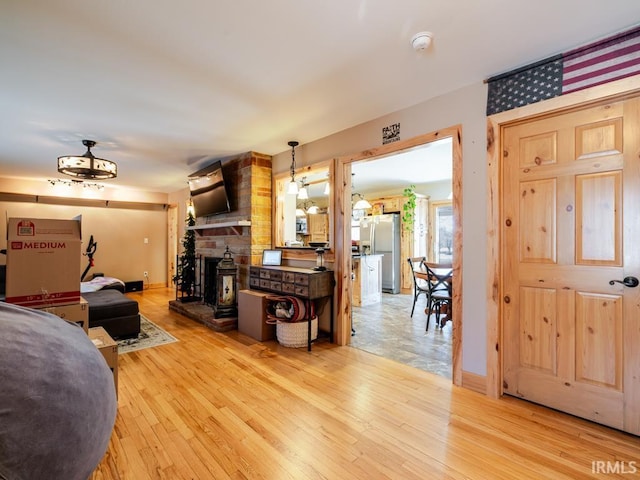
(146, 274)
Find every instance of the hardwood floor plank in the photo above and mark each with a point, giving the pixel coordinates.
(223, 406)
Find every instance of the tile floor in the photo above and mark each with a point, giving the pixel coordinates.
(387, 329)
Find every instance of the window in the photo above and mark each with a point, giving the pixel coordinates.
(441, 214)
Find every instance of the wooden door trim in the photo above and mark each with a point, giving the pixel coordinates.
(495, 124)
(343, 234)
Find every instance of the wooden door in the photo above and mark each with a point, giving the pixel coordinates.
(570, 225)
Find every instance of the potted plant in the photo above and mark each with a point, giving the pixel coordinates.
(409, 207)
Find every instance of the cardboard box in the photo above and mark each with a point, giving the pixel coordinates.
(252, 315)
(43, 262)
(108, 348)
(76, 313)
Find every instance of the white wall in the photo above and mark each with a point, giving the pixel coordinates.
(467, 108)
(120, 235)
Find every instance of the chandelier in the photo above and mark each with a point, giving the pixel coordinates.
(87, 166)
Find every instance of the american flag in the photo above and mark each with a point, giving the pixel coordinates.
(602, 62)
(610, 59)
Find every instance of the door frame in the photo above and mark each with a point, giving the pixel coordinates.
(495, 124)
(342, 207)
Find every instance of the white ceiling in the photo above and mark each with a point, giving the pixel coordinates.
(166, 86)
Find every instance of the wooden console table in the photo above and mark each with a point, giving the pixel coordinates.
(304, 283)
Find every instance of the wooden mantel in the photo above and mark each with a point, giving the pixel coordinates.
(232, 224)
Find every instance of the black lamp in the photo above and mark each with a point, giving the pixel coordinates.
(226, 273)
(320, 260)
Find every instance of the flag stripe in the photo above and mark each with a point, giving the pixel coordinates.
(610, 57)
(603, 62)
(599, 80)
(604, 70)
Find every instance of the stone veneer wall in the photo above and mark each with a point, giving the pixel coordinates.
(248, 180)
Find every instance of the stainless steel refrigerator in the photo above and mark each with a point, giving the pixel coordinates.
(380, 234)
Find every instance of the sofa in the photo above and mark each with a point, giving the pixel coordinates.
(113, 311)
(109, 308)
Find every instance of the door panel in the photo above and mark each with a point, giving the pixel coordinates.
(570, 225)
(599, 339)
(599, 214)
(538, 225)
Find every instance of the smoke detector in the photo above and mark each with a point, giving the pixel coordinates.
(421, 41)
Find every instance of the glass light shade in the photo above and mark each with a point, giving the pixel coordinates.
(361, 204)
(190, 209)
(302, 193)
(293, 188)
(313, 209)
(300, 212)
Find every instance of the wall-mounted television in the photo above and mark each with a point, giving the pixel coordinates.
(208, 191)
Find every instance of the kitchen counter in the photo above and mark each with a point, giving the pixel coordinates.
(367, 279)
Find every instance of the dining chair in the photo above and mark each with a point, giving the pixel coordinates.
(439, 294)
(420, 285)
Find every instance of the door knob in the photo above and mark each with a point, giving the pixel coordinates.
(627, 282)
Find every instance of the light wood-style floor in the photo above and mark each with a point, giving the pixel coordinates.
(223, 406)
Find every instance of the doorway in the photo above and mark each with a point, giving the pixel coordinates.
(386, 322)
(343, 234)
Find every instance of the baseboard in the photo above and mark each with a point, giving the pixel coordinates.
(475, 382)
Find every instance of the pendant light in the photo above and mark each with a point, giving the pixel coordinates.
(87, 166)
(360, 204)
(302, 192)
(293, 185)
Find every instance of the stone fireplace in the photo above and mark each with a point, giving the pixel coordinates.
(246, 229)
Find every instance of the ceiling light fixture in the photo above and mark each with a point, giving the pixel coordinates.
(293, 186)
(361, 204)
(87, 166)
(303, 194)
(421, 41)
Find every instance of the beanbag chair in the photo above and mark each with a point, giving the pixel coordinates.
(57, 398)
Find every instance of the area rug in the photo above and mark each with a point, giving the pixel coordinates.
(151, 335)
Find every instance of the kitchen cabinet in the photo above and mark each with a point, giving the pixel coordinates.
(367, 280)
(318, 227)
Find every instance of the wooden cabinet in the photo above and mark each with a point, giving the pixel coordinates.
(389, 204)
(299, 282)
(367, 280)
(318, 227)
(303, 283)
